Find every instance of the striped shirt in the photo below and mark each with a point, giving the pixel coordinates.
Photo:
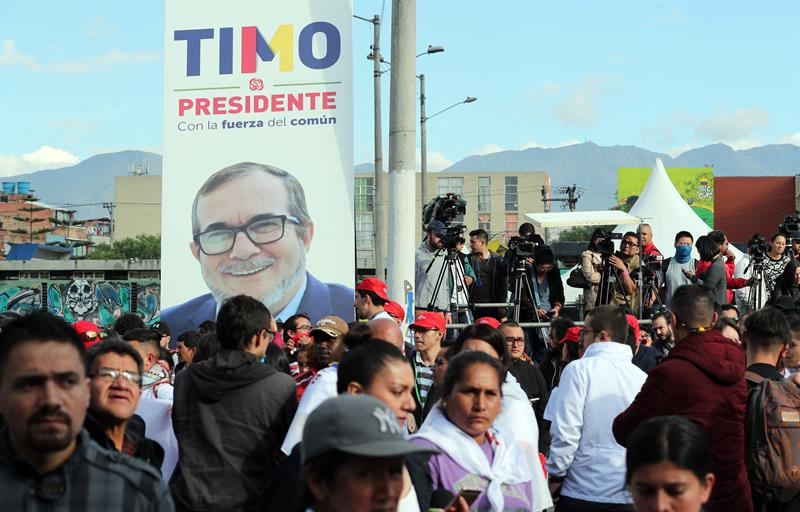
(423, 376)
(92, 478)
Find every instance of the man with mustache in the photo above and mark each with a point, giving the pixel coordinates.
(47, 461)
(251, 231)
(115, 370)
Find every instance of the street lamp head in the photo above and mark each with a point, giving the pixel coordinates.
(435, 49)
(470, 99)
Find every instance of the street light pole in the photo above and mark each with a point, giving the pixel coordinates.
(423, 134)
(423, 146)
(377, 220)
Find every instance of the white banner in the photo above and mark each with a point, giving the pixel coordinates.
(258, 164)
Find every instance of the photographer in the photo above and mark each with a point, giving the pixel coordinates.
(548, 292)
(788, 285)
(432, 250)
(627, 263)
(591, 264)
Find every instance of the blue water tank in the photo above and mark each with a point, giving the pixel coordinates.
(23, 187)
(8, 187)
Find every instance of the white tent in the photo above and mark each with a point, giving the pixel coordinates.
(662, 206)
(570, 219)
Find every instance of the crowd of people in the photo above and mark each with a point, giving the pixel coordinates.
(698, 409)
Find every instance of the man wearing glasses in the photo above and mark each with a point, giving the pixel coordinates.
(251, 231)
(627, 263)
(115, 370)
(529, 376)
(47, 460)
(232, 409)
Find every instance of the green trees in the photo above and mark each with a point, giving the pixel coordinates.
(143, 247)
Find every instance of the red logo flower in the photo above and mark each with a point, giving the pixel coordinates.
(256, 84)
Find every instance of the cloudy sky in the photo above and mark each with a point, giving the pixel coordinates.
(81, 78)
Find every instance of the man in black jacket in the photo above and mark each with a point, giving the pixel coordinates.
(529, 376)
(765, 337)
(491, 276)
(115, 370)
(548, 292)
(230, 415)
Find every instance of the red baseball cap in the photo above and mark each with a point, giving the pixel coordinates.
(634, 323)
(487, 320)
(374, 285)
(394, 309)
(429, 320)
(573, 334)
(90, 334)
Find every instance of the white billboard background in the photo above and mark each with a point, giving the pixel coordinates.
(319, 156)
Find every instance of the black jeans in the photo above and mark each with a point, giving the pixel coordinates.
(567, 504)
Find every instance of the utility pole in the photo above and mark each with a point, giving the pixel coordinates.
(402, 135)
(423, 146)
(110, 208)
(379, 225)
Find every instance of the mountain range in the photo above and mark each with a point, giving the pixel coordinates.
(590, 166)
(89, 182)
(594, 167)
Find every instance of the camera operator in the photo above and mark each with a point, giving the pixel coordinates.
(627, 263)
(432, 250)
(426, 281)
(528, 232)
(491, 276)
(591, 264)
(548, 291)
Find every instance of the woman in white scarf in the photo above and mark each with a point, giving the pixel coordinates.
(516, 415)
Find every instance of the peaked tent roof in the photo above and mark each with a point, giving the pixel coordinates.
(661, 205)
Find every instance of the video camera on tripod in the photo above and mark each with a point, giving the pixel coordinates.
(757, 247)
(445, 209)
(606, 246)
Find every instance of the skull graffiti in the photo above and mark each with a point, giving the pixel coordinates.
(80, 298)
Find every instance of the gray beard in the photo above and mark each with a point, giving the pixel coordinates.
(277, 293)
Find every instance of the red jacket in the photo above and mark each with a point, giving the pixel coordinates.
(732, 283)
(702, 379)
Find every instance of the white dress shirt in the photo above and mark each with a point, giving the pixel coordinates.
(593, 390)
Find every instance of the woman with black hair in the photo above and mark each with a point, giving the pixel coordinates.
(476, 452)
(590, 267)
(788, 285)
(669, 466)
(517, 414)
(713, 279)
(775, 262)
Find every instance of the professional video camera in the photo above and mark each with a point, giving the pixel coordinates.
(757, 247)
(445, 209)
(522, 247)
(606, 246)
(790, 225)
(652, 262)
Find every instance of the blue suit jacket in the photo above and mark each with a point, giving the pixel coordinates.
(319, 299)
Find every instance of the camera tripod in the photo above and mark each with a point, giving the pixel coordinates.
(459, 298)
(609, 277)
(521, 284)
(651, 288)
(755, 293)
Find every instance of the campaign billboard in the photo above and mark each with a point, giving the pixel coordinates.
(695, 185)
(258, 163)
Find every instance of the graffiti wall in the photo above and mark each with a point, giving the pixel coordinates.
(101, 302)
(20, 296)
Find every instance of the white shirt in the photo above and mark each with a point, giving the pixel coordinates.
(382, 314)
(321, 388)
(593, 390)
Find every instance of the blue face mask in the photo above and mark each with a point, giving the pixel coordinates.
(683, 253)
